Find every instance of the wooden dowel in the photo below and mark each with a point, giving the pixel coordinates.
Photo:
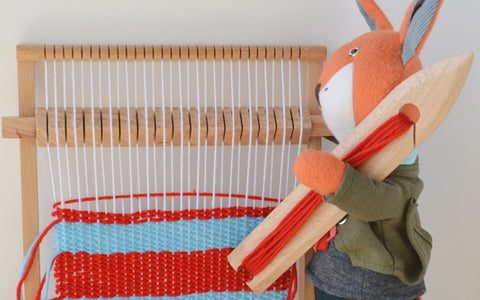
(36, 127)
(15, 127)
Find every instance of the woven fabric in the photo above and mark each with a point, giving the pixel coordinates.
(155, 255)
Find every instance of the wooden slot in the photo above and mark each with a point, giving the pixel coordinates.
(281, 126)
(297, 125)
(263, 126)
(58, 52)
(177, 125)
(227, 52)
(235, 52)
(288, 124)
(246, 128)
(163, 135)
(166, 53)
(244, 53)
(122, 53)
(148, 53)
(220, 126)
(113, 52)
(184, 53)
(262, 52)
(175, 52)
(210, 52)
(68, 52)
(77, 53)
(198, 122)
(202, 52)
(253, 50)
(56, 127)
(104, 56)
(92, 126)
(211, 131)
(49, 53)
(111, 127)
(270, 54)
(95, 52)
(186, 125)
(228, 135)
(74, 123)
(218, 52)
(237, 123)
(86, 52)
(157, 53)
(287, 53)
(131, 53)
(139, 52)
(295, 53)
(146, 127)
(278, 53)
(128, 136)
(193, 53)
(272, 126)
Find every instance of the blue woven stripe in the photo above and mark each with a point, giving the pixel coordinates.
(176, 236)
(269, 295)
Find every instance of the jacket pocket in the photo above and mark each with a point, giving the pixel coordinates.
(420, 240)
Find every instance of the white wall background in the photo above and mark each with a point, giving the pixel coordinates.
(449, 161)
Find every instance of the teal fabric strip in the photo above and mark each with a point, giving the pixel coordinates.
(269, 295)
(193, 235)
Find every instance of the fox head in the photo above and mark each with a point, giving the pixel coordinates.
(361, 73)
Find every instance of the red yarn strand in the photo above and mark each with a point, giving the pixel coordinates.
(32, 257)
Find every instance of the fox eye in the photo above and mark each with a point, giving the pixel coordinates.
(353, 52)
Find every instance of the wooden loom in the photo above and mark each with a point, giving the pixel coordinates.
(143, 126)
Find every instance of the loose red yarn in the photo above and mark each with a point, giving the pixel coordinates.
(264, 253)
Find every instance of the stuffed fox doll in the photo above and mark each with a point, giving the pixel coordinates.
(380, 250)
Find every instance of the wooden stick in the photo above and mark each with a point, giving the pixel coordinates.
(433, 90)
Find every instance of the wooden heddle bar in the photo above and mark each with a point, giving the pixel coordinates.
(47, 122)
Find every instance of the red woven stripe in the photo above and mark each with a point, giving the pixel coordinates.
(70, 215)
(151, 274)
(191, 194)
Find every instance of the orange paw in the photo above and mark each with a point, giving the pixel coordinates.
(320, 171)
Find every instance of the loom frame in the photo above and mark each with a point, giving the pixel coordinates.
(25, 128)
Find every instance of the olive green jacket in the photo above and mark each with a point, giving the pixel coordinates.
(383, 232)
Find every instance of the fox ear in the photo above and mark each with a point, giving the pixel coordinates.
(416, 27)
(374, 16)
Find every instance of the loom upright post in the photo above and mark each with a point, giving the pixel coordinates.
(28, 162)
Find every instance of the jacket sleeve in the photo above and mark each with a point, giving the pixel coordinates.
(373, 200)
